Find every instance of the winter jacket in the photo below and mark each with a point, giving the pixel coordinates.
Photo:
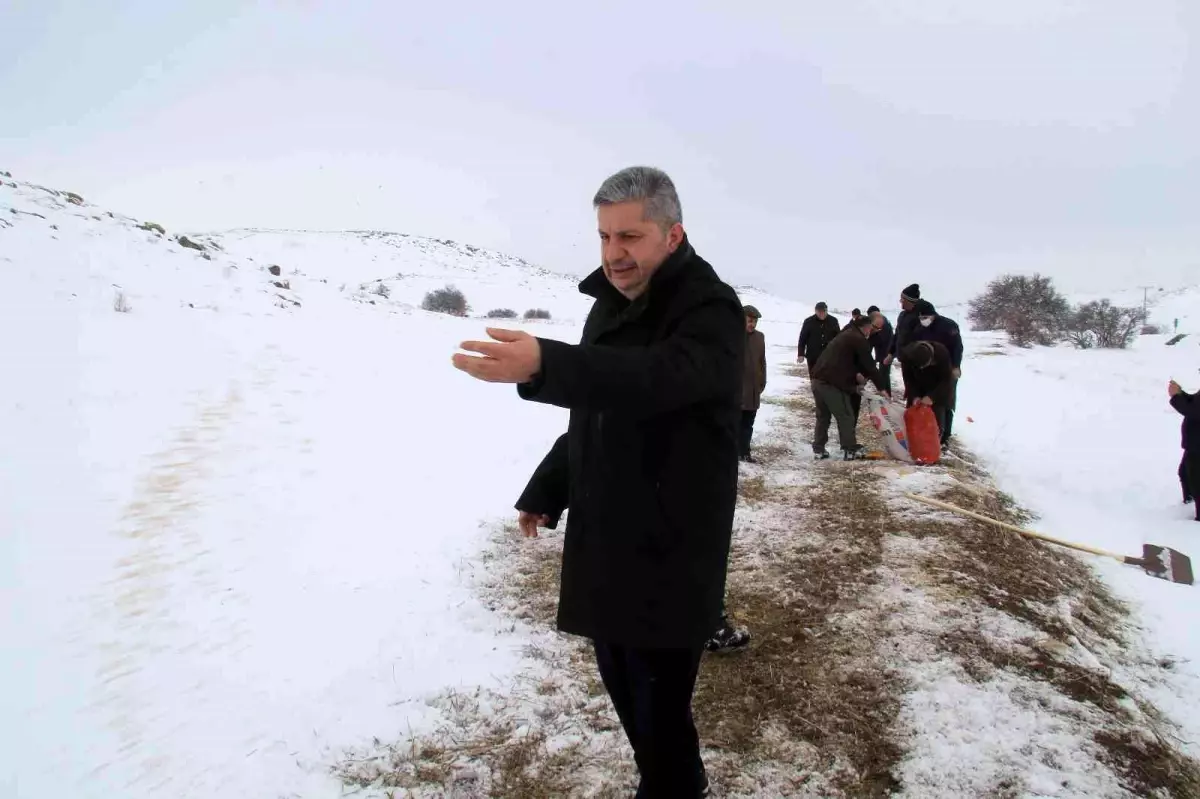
(902, 334)
(649, 463)
(754, 371)
(945, 331)
(846, 357)
(881, 340)
(1189, 406)
(935, 380)
(815, 335)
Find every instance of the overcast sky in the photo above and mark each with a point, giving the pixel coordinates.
(823, 150)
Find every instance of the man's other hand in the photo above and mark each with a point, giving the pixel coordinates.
(530, 522)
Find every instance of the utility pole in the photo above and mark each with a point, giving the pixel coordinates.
(1145, 295)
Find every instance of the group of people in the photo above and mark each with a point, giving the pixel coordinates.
(841, 360)
(663, 390)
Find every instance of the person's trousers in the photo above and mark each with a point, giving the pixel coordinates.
(856, 405)
(886, 373)
(1189, 479)
(746, 432)
(651, 690)
(833, 403)
(946, 428)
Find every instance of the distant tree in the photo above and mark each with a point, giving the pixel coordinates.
(448, 300)
(1028, 308)
(1104, 325)
(502, 313)
(382, 290)
(537, 313)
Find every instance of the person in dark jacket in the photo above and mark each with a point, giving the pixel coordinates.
(881, 342)
(855, 315)
(905, 322)
(835, 380)
(648, 466)
(754, 379)
(930, 380)
(1188, 406)
(815, 334)
(932, 327)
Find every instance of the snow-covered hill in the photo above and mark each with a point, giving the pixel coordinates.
(235, 513)
(244, 496)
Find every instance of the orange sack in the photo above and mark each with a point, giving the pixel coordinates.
(924, 438)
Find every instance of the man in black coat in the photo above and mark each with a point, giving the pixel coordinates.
(835, 381)
(815, 334)
(905, 323)
(932, 327)
(648, 466)
(1188, 406)
(881, 342)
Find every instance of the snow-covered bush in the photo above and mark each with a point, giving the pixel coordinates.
(537, 313)
(447, 300)
(1104, 325)
(502, 313)
(1028, 308)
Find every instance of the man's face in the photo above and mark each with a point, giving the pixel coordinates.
(822, 313)
(631, 247)
(751, 324)
(877, 320)
(906, 303)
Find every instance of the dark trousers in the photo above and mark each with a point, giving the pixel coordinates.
(833, 403)
(947, 427)
(856, 405)
(1189, 479)
(886, 372)
(747, 432)
(651, 690)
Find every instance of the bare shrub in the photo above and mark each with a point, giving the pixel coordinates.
(537, 313)
(502, 313)
(381, 290)
(448, 300)
(1101, 324)
(1028, 308)
(121, 303)
(1152, 330)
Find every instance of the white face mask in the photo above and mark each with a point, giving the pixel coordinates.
(926, 321)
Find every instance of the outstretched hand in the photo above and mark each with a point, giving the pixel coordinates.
(512, 357)
(1173, 388)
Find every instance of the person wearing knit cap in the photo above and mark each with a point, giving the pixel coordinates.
(930, 380)
(931, 326)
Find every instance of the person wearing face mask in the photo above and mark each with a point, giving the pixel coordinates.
(932, 327)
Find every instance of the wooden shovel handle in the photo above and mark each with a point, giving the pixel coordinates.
(937, 503)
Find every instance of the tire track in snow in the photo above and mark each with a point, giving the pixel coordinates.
(144, 609)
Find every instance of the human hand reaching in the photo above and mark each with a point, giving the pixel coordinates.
(1173, 388)
(512, 357)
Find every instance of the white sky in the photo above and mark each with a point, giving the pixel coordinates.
(823, 150)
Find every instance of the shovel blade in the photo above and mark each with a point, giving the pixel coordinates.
(1168, 564)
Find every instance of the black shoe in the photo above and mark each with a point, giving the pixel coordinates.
(728, 639)
(856, 453)
(747, 459)
(1187, 500)
(820, 455)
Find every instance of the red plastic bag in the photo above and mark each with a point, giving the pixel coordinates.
(924, 437)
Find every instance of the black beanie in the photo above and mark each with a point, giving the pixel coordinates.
(912, 293)
(873, 309)
(924, 308)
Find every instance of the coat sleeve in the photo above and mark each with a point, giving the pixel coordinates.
(866, 365)
(804, 333)
(762, 360)
(1187, 404)
(954, 344)
(700, 360)
(548, 490)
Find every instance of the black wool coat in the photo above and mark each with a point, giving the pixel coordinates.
(649, 463)
(815, 336)
(1188, 406)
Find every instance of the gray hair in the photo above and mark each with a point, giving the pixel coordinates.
(645, 184)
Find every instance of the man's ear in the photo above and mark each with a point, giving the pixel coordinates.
(675, 236)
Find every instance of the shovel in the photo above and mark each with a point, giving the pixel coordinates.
(1161, 562)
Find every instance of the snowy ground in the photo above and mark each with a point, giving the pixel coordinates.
(1087, 441)
(241, 523)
